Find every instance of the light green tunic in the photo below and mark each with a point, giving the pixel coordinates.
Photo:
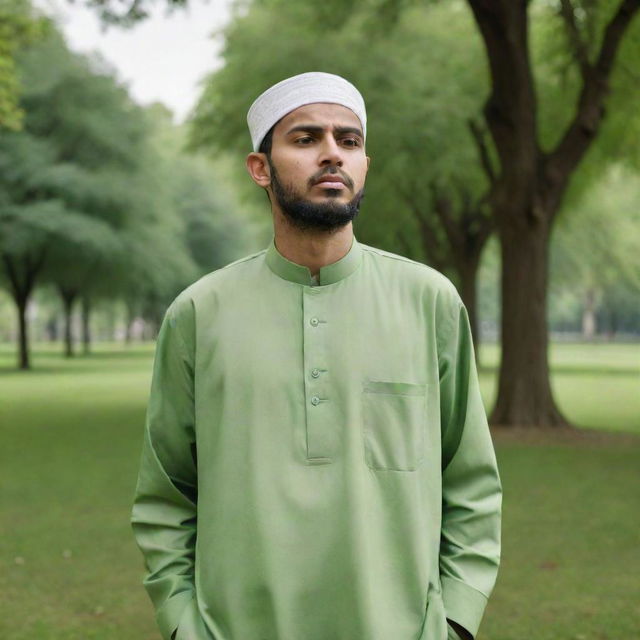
(317, 463)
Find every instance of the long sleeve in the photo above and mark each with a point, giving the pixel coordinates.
(471, 489)
(164, 510)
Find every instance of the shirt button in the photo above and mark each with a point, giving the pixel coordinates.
(315, 400)
(315, 373)
(314, 322)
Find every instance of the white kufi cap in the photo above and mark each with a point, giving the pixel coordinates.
(294, 92)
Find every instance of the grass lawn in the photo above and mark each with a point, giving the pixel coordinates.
(71, 434)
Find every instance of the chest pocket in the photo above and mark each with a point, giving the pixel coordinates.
(393, 416)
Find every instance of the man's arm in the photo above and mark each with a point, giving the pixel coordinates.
(164, 509)
(471, 490)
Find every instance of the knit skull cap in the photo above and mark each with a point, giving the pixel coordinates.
(291, 93)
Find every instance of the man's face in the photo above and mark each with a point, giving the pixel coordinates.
(318, 166)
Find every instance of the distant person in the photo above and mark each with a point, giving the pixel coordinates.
(317, 463)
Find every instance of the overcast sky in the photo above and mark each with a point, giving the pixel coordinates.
(162, 59)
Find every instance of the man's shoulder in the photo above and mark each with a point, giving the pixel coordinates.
(417, 272)
(231, 274)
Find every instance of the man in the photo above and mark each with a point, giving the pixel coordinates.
(317, 463)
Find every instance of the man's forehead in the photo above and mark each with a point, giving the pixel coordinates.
(323, 114)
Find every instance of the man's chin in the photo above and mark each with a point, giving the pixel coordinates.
(336, 196)
(316, 218)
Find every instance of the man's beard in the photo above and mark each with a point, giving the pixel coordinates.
(305, 215)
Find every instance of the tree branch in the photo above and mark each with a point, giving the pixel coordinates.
(567, 13)
(613, 35)
(561, 162)
(428, 235)
(14, 280)
(444, 211)
(510, 110)
(33, 267)
(475, 222)
(478, 134)
(486, 225)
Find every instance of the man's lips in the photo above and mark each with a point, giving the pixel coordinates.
(330, 185)
(330, 182)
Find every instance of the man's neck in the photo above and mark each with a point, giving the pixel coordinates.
(312, 249)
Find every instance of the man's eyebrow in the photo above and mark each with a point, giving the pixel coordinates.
(313, 128)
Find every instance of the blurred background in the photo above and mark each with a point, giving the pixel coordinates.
(505, 146)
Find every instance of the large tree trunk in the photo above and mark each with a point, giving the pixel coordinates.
(524, 392)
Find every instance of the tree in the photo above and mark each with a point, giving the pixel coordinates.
(189, 224)
(532, 181)
(27, 224)
(57, 190)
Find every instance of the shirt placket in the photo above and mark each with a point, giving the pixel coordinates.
(320, 437)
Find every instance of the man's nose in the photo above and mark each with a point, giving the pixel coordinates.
(330, 152)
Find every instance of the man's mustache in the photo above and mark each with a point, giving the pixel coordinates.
(331, 171)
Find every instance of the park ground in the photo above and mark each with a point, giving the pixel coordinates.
(70, 441)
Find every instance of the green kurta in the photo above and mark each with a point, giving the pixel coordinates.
(317, 463)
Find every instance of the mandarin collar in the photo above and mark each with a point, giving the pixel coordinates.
(329, 274)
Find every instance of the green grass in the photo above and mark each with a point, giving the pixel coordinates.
(596, 386)
(71, 434)
(571, 534)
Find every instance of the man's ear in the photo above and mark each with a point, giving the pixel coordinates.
(259, 169)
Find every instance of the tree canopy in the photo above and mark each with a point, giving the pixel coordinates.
(97, 197)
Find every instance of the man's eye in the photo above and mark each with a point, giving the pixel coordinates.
(304, 140)
(351, 142)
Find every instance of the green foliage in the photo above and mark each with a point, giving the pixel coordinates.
(68, 178)
(609, 218)
(558, 80)
(595, 250)
(202, 197)
(19, 26)
(97, 196)
(128, 13)
(79, 107)
(418, 132)
(79, 206)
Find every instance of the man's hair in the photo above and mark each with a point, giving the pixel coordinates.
(267, 142)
